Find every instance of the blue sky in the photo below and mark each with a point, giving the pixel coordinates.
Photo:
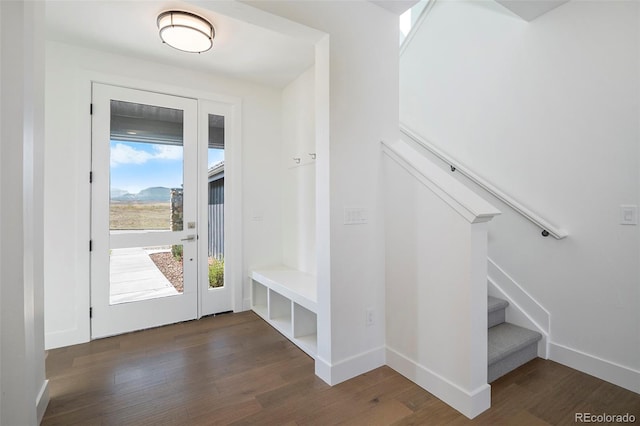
(136, 165)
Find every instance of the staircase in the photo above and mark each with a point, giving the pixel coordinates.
(510, 346)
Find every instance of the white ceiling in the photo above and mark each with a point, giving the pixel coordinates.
(241, 50)
(395, 6)
(531, 9)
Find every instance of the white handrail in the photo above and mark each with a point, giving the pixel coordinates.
(547, 228)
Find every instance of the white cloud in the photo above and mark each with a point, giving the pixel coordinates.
(125, 154)
(168, 152)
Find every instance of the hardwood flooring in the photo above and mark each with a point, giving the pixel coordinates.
(236, 369)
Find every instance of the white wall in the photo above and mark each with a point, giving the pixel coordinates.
(299, 179)
(67, 161)
(23, 385)
(363, 74)
(548, 112)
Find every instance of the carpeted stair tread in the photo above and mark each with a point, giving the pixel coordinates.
(506, 339)
(494, 304)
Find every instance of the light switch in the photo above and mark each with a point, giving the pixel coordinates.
(628, 215)
(355, 216)
(257, 215)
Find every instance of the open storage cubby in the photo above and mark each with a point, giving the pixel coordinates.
(286, 299)
(305, 326)
(259, 298)
(280, 312)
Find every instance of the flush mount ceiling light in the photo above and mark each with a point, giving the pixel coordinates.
(185, 31)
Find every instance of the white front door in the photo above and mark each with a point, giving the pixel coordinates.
(144, 218)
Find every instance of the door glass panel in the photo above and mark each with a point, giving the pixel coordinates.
(146, 168)
(146, 195)
(215, 222)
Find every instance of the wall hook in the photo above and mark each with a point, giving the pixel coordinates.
(297, 160)
(312, 155)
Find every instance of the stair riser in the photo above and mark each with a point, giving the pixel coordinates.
(496, 317)
(513, 361)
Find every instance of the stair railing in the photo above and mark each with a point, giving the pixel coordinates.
(456, 166)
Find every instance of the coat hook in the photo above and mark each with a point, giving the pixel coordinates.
(297, 160)
(313, 155)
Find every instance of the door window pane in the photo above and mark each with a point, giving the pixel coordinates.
(146, 168)
(215, 222)
(146, 175)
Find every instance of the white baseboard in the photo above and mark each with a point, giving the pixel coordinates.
(469, 403)
(60, 339)
(620, 375)
(351, 367)
(42, 401)
(323, 370)
(246, 304)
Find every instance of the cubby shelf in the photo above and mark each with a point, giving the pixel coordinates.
(286, 299)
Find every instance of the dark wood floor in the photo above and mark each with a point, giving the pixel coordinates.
(235, 369)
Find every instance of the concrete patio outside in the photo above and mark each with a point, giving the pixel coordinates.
(134, 276)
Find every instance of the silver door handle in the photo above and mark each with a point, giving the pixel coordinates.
(189, 238)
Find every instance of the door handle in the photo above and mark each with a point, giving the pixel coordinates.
(189, 238)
